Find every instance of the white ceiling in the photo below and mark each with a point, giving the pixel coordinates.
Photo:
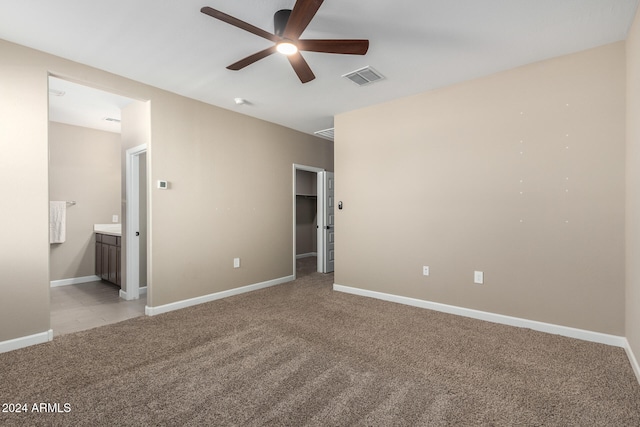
(81, 105)
(418, 45)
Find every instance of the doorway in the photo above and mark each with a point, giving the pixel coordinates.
(313, 231)
(136, 217)
(85, 170)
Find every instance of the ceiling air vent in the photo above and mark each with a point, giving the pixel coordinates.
(326, 134)
(364, 76)
(111, 119)
(56, 92)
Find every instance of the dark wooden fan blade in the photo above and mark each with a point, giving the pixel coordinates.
(240, 24)
(302, 13)
(251, 59)
(301, 67)
(349, 47)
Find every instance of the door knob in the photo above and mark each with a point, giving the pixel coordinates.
(137, 233)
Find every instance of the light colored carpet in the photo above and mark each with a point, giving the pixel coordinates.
(301, 354)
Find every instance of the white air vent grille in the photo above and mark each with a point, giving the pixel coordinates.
(56, 92)
(364, 76)
(111, 119)
(326, 134)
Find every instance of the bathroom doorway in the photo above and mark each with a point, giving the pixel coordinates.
(85, 170)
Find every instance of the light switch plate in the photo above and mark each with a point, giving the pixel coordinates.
(425, 270)
(478, 277)
(236, 263)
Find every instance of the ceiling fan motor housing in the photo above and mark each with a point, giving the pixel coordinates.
(280, 19)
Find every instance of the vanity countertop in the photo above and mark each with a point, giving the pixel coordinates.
(111, 229)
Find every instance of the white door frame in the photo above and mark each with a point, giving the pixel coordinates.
(319, 211)
(133, 221)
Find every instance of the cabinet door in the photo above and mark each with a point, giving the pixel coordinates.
(113, 264)
(105, 261)
(98, 260)
(118, 267)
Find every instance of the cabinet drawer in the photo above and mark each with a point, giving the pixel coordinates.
(110, 240)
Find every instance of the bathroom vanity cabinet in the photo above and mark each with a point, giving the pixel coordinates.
(108, 258)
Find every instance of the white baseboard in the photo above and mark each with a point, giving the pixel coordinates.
(550, 328)
(27, 341)
(307, 255)
(74, 281)
(152, 311)
(142, 291)
(633, 360)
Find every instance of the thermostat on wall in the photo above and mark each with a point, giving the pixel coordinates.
(163, 185)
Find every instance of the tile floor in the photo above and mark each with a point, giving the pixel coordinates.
(89, 305)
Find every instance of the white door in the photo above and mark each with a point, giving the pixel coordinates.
(326, 223)
(132, 226)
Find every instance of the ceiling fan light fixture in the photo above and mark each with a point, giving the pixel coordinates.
(286, 48)
(289, 25)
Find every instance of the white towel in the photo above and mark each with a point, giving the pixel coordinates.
(57, 222)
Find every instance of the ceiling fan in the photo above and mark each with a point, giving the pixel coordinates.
(288, 26)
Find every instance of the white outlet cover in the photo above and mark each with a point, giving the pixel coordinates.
(425, 270)
(236, 263)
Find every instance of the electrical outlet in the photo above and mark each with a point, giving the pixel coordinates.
(425, 270)
(236, 263)
(114, 218)
(478, 277)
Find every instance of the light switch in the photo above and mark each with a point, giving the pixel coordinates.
(478, 277)
(236, 263)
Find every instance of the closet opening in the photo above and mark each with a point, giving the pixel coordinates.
(313, 226)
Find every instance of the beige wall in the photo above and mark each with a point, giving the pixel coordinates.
(519, 175)
(306, 225)
(633, 189)
(84, 165)
(230, 196)
(230, 190)
(24, 254)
